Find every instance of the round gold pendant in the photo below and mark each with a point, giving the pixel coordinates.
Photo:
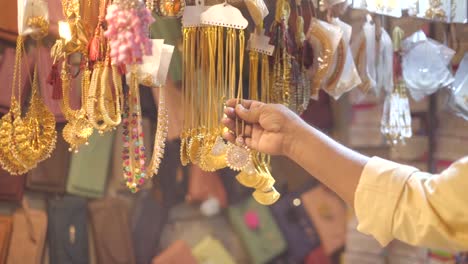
(237, 157)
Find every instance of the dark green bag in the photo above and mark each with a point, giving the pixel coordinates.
(263, 242)
(90, 167)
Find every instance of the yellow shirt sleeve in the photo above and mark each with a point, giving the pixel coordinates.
(394, 201)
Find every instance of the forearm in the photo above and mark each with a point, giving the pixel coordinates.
(333, 164)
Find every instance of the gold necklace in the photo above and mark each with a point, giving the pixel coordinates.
(35, 135)
(7, 160)
(160, 135)
(78, 129)
(113, 117)
(238, 155)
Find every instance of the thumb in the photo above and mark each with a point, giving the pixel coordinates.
(249, 115)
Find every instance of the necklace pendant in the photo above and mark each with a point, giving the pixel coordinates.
(238, 156)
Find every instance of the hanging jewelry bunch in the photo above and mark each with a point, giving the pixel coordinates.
(210, 64)
(290, 83)
(396, 117)
(104, 98)
(257, 173)
(73, 43)
(26, 140)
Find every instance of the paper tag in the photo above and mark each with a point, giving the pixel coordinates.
(148, 70)
(166, 56)
(224, 15)
(191, 16)
(28, 9)
(260, 43)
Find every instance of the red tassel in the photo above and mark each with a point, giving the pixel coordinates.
(94, 48)
(56, 82)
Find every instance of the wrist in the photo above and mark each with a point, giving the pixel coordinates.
(292, 143)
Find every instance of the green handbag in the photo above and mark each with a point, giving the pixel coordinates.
(89, 167)
(258, 230)
(211, 250)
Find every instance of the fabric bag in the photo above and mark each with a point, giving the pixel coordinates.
(211, 250)
(89, 167)
(51, 174)
(11, 187)
(187, 223)
(177, 253)
(148, 221)
(258, 230)
(328, 213)
(6, 225)
(204, 185)
(68, 230)
(111, 231)
(299, 232)
(28, 235)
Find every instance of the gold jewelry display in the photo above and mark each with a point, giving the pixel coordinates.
(75, 40)
(25, 142)
(339, 64)
(108, 99)
(160, 135)
(282, 60)
(436, 11)
(35, 135)
(78, 129)
(7, 160)
(323, 55)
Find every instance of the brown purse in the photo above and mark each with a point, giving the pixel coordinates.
(11, 187)
(111, 231)
(178, 252)
(5, 235)
(28, 235)
(51, 174)
(202, 185)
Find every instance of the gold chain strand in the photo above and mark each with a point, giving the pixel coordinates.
(111, 122)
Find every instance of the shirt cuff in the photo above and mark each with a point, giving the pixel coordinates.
(377, 196)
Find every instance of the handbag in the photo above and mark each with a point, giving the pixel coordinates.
(299, 232)
(187, 223)
(89, 167)
(177, 253)
(51, 174)
(28, 235)
(328, 213)
(68, 230)
(211, 250)
(258, 230)
(111, 231)
(5, 236)
(11, 187)
(148, 221)
(204, 185)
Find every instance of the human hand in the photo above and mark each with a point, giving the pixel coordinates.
(269, 128)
